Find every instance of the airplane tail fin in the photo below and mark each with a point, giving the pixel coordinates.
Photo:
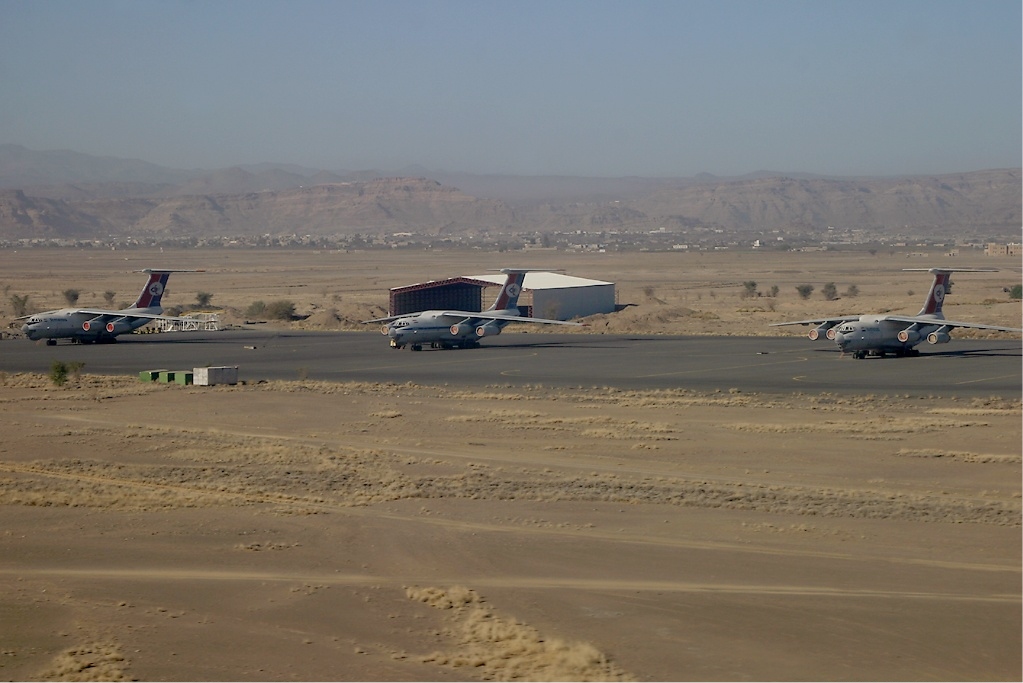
(152, 293)
(508, 297)
(941, 286)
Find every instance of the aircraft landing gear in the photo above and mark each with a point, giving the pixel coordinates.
(51, 342)
(417, 347)
(859, 355)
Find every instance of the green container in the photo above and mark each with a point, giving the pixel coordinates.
(184, 377)
(150, 375)
(166, 376)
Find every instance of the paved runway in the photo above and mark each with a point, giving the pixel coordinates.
(780, 365)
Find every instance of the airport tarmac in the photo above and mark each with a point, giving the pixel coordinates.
(779, 365)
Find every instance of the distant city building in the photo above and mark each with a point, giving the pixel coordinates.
(1010, 249)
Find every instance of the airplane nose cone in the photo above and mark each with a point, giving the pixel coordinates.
(27, 329)
(393, 333)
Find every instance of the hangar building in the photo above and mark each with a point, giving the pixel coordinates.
(544, 295)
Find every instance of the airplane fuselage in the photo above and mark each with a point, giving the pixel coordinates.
(68, 323)
(875, 335)
(440, 329)
(878, 335)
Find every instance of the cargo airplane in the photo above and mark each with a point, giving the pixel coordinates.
(461, 329)
(878, 335)
(87, 325)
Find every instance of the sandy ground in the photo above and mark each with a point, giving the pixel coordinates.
(314, 531)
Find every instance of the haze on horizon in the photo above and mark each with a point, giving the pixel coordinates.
(585, 88)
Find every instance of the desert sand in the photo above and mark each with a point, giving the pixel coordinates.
(314, 531)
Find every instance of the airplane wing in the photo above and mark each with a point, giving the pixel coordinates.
(480, 315)
(948, 323)
(484, 315)
(819, 321)
(388, 319)
(129, 314)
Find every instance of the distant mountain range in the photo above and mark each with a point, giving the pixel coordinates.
(69, 194)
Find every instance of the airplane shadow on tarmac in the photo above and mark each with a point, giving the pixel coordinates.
(952, 353)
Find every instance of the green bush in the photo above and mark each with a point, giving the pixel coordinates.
(19, 304)
(804, 291)
(255, 310)
(1016, 292)
(58, 373)
(280, 310)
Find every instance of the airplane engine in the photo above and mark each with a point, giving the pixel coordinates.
(460, 330)
(88, 324)
(385, 330)
(118, 326)
(908, 336)
(938, 338)
(824, 330)
(488, 330)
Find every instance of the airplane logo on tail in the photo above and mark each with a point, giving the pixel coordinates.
(154, 289)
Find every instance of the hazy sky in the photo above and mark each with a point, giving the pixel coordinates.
(591, 87)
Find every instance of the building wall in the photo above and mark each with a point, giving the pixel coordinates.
(457, 296)
(1010, 249)
(573, 302)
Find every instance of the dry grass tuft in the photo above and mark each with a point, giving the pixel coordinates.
(97, 661)
(506, 649)
(961, 456)
(869, 428)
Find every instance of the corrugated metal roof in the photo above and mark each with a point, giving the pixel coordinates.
(542, 280)
(442, 283)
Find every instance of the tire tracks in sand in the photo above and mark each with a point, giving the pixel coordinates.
(507, 581)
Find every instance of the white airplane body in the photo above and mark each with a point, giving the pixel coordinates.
(461, 329)
(881, 334)
(88, 325)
